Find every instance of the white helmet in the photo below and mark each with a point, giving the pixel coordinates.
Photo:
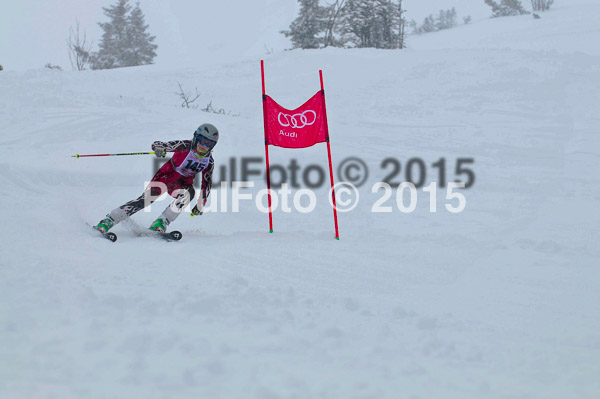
(208, 132)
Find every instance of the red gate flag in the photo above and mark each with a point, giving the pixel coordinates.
(299, 128)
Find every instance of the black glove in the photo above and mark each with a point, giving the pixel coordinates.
(159, 151)
(196, 211)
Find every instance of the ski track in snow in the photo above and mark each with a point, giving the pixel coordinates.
(500, 301)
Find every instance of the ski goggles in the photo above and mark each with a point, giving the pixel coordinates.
(205, 142)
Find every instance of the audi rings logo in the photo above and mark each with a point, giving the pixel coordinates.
(297, 121)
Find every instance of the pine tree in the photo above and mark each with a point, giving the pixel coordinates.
(386, 24)
(306, 28)
(506, 8)
(371, 23)
(446, 19)
(113, 38)
(125, 41)
(429, 25)
(357, 22)
(141, 50)
(541, 5)
(366, 23)
(515, 6)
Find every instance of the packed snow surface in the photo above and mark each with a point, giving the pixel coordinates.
(500, 300)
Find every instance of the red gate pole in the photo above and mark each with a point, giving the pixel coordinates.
(264, 99)
(337, 233)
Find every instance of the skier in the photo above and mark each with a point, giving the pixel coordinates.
(175, 177)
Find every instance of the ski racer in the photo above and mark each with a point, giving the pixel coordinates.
(175, 177)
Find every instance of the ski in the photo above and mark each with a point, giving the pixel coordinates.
(109, 236)
(170, 236)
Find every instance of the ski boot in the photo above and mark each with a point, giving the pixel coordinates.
(105, 224)
(160, 225)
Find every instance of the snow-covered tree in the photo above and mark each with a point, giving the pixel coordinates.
(333, 12)
(387, 23)
(358, 22)
(446, 19)
(427, 26)
(140, 49)
(371, 23)
(305, 30)
(113, 43)
(401, 25)
(506, 8)
(125, 41)
(365, 23)
(541, 5)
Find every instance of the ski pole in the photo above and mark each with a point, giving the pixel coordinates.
(111, 155)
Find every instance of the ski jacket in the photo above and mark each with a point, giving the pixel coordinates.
(184, 163)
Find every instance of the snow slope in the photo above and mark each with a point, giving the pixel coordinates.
(499, 301)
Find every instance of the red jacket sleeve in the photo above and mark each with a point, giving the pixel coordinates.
(175, 145)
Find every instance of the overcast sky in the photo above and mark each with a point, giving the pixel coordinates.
(34, 32)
